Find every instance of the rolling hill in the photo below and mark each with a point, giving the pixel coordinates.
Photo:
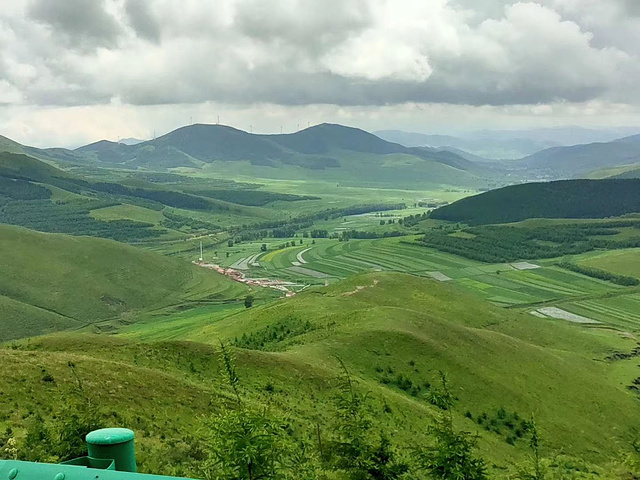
(393, 332)
(559, 199)
(579, 160)
(52, 282)
(323, 152)
(508, 144)
(326, 151)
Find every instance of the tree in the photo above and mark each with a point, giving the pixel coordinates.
(248, 301)
(352, 450)
(263, 247)
(251, 445)
(537, 470)
(451, 456)
(230, 243)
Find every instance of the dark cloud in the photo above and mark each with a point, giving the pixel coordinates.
(142, 20)
(312, 26)
(82, 23)
(632, 7)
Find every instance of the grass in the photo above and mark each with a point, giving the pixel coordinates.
(620, 262)
(384, 322)
(128, 212)
(52, 281)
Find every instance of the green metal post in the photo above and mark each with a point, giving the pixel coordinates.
(116, 444)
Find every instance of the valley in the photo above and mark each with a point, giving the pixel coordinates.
(397, 265)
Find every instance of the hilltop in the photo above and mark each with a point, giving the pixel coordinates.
(323, 152)
(394, 333)
(560, 199)
(55, 282)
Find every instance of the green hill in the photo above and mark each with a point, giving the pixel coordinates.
(579, 160)
(51, 282)
(8, 145)
(325, 152)
(560, 199)
(20, 166)
(394, 333)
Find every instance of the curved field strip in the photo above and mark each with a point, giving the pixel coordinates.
(527, 279)
(270, 256)
(335, 268)
(299, 255)
(608, 311)
(605, 314)
(361, 263)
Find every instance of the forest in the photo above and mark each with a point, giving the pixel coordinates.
(495, 243)
(561, 199)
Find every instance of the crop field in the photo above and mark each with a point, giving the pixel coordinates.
(620, 262)
(329, 260)
(622, 312)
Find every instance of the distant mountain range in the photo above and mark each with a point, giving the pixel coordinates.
(352, 156)
(317, 147)
(579, 160)
(326, 152)
(508, 144)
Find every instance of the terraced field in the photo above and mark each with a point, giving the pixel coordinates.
(621, 311)
(503, 284)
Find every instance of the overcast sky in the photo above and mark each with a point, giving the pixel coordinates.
(75, 71)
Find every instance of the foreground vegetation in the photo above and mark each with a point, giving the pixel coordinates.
(394, 334)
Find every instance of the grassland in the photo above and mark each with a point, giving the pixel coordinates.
(383, 311)
(50, 282)
(622, 262)
(384, 325)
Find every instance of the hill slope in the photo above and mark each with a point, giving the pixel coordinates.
(579, 160)
(327, 150)
(50, 282)
(508, 144)
(394, 333)
(560, 199)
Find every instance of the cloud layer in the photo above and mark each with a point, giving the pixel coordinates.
(298, 52)
(73, 71)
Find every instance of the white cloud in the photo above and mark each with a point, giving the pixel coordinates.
(359, 55)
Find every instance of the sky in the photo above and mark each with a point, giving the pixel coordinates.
(76, 71)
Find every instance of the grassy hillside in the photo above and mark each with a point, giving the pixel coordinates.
(8, 145)
(324, 151)
(394, 333)
(562, 199)
(51, 282)
(579, 160)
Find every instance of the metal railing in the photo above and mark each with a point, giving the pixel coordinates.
(111, 457)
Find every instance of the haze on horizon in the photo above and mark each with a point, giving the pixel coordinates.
(76, 71)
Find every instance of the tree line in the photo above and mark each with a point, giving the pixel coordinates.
(496, 243)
